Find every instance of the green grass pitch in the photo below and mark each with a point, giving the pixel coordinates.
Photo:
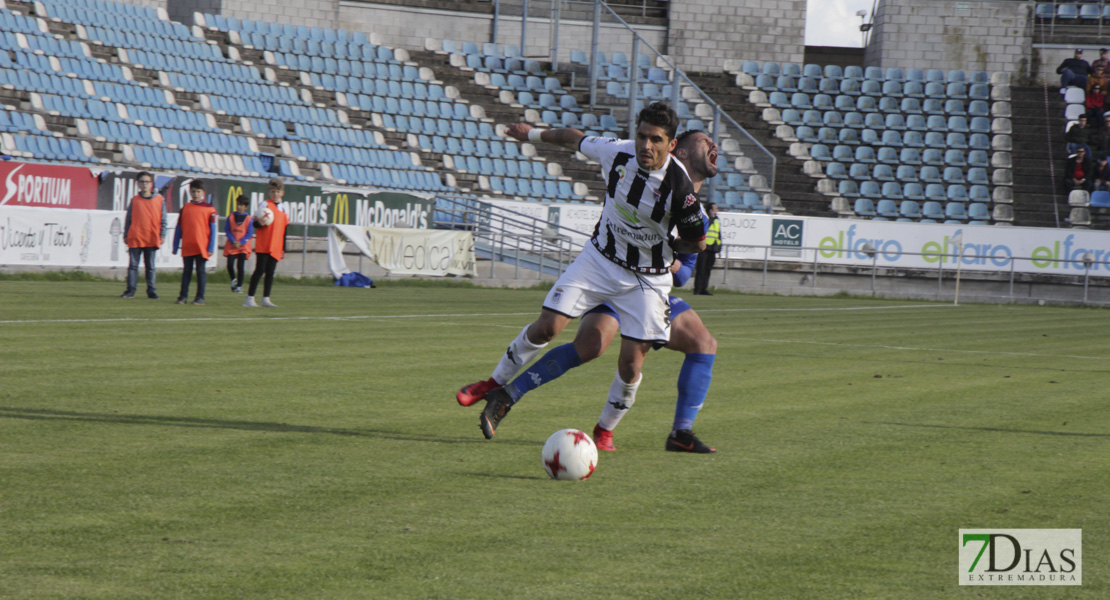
(149, 450)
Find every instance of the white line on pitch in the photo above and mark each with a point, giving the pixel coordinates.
(913, 349)
(436, 315)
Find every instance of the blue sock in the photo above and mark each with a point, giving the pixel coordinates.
(693, 385)
(550, 366)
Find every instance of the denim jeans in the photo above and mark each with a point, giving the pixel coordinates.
(198, 262)
(147, 255)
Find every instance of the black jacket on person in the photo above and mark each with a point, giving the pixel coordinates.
(1077, 66)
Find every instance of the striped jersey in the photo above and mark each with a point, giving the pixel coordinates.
(642, 207)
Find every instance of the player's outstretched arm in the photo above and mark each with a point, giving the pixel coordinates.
(566, 137)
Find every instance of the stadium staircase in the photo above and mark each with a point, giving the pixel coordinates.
(796, 189)
(1036, 184)
(487, 97)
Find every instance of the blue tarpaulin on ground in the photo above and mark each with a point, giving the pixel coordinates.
(355, 279)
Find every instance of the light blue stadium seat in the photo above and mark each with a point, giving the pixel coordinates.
(979, 141)
(853, 119)
(887, 156)
(958, 123)
(808, 85)
(956, 139)
(909, 156)
(954, 107)
(932, 211)
(820, 152)
(1067, 12)
(892, 89)
(874, 121)
(978, 176)
(844, 103)
(954, 175)
(781, 100)
(799, 100)
(786, 83)
(1100, 199)
(909, 209)
(806, 134)
(871, 87)
(771, 68)
(859, 172)
(853, 72)
(812, 70)
(864, 207)
(882, 173)
(955, 212)
(848, 136)
(978, 211)
(936, 123)
(932, 106)
(848, 189)
(935, 139)
(932, 156)
(954, 157)
(832, 118)
(791, 117)
(892, 139)
(823, 102)
(979, 193)
(906, 173)
(911, 106)
(913, 191)
(956, 193)
(929, 175)
(887, 207)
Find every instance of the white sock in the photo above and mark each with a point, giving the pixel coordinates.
(519, 353)
(621, 397)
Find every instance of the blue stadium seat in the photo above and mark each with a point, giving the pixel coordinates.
(863, 207)
(929, 175)
(865, 154)
(954, 157)
(909, 210)
(913, 191)
(978, 211)
(835, 170)
(887, 207)
(848, 189)
(954, 175)
(955, 213)
(956, 193)
(979, 193)
(910, 156)
(887, 156)
(882, 173)
(906, 173)
(859, 172)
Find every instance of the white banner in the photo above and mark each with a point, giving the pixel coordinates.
(405, 251)
(915, 245)
(50, 237)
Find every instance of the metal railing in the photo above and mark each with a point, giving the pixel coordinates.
(950, 272)
(735, 143)
(508, 236)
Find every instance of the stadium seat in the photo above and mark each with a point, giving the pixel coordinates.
(892, 190)
(956, 193)
(933, 211)
(935, 192)
(913, 191)
(881, 172)
(1100, 199)
(955, 212)
(887, 208)
(910, 209)
(864, 207)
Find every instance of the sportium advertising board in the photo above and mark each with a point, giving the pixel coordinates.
(915, 245)
(47, 186)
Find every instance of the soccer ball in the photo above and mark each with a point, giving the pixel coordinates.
(569, 454)
(263, 216)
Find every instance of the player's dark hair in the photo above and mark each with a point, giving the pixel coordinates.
(196, 184)
(659, 114)
(144, 174)
(686, 134)
(241, 200)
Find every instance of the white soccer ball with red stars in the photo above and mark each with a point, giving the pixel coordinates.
(569, 454)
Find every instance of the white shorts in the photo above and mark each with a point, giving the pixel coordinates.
(640, 299)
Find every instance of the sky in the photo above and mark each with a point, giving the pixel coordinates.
(834, 22)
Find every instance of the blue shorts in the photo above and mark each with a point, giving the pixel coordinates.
(677, 306)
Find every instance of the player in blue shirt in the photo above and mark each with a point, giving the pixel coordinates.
(599, 326)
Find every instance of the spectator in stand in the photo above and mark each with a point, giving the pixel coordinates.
(195, 236)
(1101, 140)
(269, 247)
(1079, 171)
(1097, 77)
(1102, 174)
(143, 230)
(1074, 71)
(1079, 136)
(239, 230)
(1095, 101)
(1101, 64)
